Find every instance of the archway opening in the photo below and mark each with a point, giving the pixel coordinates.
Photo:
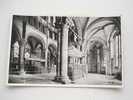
(95, 58)
(52, 58)
(33, 56)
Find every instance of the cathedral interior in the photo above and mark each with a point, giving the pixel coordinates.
(61, 49)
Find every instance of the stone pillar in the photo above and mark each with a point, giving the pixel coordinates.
(106, 61)
(87, 63)
(111, 55)
(120, 53)
(88, 66)
(98, 61)
(117, 49)
(58, 65)
(46, 49)
(110, 58)
(21, 61)
(114, 58)
(22, 47)
(64, 55)
(62, 49)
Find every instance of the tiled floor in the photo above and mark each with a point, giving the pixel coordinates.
(89, 79)
(98, 79)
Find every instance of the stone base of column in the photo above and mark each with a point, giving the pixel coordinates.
(108, 70)
(108, 73)
(57, 79)
(65, 79)
(22, 71)
(62, 79)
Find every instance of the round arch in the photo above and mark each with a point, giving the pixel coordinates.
(34, 42)
(37, 37)
(95, 57)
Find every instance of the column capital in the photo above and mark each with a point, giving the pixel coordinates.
(22, 41)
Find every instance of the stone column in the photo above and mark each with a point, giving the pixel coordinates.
(117, 51)
(46, 49)
(106, 61)
(21, 61)
(98, 61)
(88, 66)
(114, 60)
(64, 54)
(111, 55)
(110, 58)
(120, 53)
(58, 65)
(22, 47)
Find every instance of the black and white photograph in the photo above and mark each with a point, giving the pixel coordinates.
(70, 51)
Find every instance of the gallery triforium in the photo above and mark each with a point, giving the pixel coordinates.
(65, 50)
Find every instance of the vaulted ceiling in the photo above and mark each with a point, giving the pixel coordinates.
(85, 23)
(81, 23)
(96, 28)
